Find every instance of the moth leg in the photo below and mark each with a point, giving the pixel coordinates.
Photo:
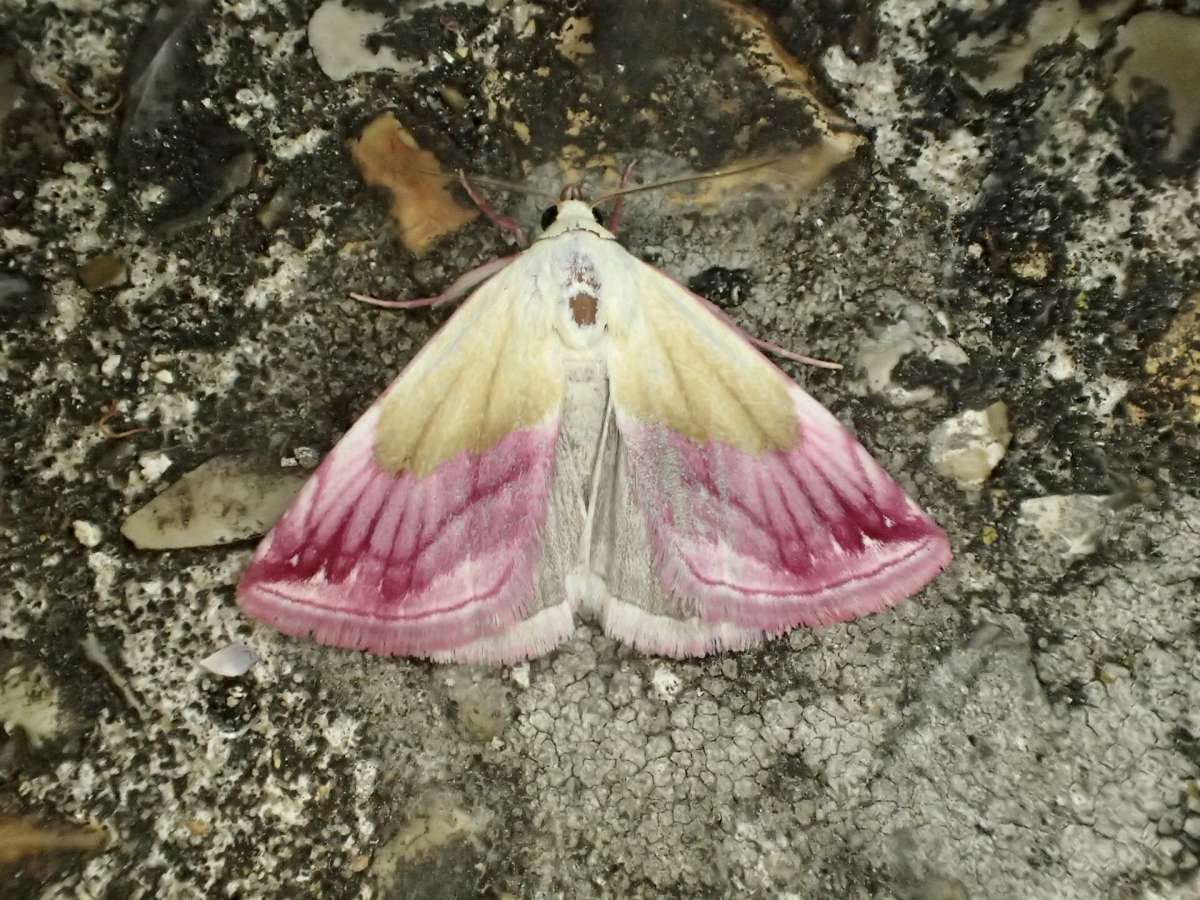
(788, 354)
(504, 223)
(107, 430)
(614, 219)
(459, 290)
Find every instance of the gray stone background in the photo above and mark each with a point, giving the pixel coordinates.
(1012, 227)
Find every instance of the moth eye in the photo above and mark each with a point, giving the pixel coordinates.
(597, 215)
(549, 216)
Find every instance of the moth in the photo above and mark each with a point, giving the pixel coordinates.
(586, 436)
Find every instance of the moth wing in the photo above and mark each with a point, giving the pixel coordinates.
(420, 534)
(736, 506)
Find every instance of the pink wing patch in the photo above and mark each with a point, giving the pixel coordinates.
(442, 566)
(759, 544)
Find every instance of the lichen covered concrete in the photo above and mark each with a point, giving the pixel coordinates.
(173, 281)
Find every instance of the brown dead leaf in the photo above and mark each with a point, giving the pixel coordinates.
(1173, 361)
(20, 838)
(795, 171)
(792, 173)
(422, 207)
(779, 67)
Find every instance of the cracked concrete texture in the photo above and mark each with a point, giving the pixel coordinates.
(1026, 728)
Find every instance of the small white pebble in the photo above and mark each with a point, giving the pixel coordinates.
(231, 661)
(108, 368)
(154, 465)
(307, 457)
(151, 197)
(665, 684)
(86, 533)
(164, 376)
(520, 674)
(968, 447)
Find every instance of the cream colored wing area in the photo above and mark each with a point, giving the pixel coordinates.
(495, 367)
(674, 362)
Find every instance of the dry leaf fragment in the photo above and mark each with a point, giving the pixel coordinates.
(20, 838)
(792, 173)
(788, 172)
(227, 499)
(778, 66)
(104, 271)
(798, 169)
(1173, 361)
(422, 207)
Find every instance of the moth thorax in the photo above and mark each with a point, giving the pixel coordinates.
(583, 309)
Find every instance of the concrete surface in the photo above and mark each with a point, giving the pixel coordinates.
(1027, 727)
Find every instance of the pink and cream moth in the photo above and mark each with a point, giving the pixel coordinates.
(585, 434)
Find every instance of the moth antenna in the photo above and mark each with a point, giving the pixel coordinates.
(614, 218)
(459, 290)
(501, 185)
(484, 181)
(795, 357)
(684, 179)
(504, 223)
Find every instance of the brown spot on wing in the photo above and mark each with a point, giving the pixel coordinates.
(583, 308)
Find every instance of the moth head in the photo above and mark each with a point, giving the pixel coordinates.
(550, 215)
(572, 215)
